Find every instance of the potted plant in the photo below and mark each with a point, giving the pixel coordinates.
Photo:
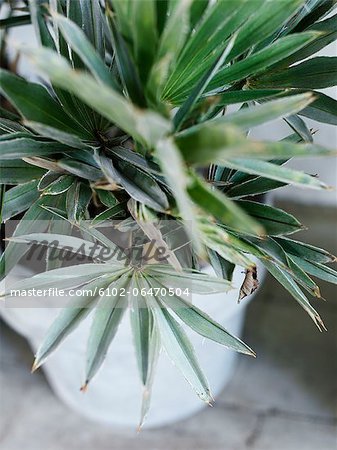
(130, 122)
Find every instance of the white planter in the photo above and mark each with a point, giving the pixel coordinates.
(114, 395)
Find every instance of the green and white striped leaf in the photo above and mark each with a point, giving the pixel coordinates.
(289, 284)
(306, 251)
(19, 198)
(77, 40)
(108, 314)
(274, 172)
(145, 126)
(275, 221)
(35, 104)
(221, 207)
(179, 349)
(201, 323)
(69, 319)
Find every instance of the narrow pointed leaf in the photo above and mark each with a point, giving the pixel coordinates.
(315, 73)
(145, 126)
(270, 170)
(275, 221)
(68, 320)
(108, 314)
(197, 281)
(317, 270)
(19, 198)
(201, 323)
(221, 207)
(34, 102)
(53, 133)
(260, 61)
(77, 40)
(179, 349)
(294, 290)
(306, 251)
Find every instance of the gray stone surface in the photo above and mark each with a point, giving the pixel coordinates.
(286, 399)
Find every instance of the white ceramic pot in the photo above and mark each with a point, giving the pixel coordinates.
(114, 395)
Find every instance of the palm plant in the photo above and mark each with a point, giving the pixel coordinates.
(131, 121)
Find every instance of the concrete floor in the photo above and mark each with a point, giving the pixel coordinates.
(286, 399)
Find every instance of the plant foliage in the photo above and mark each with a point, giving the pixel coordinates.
(130, 114)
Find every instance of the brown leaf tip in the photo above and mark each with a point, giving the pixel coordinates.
(35, 366)
(84, 388)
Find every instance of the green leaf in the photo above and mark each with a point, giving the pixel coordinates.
(196, 11)
(145, 126)
(195, 281)
(317, 270)
(78, 198)
(107, 198)
(35, 104)
(206, 44)
(259, 115)
(258, 62)
(8, 127)
(315, 73)
(126, 66)
(294, 290)
(48, 178)
(147, 344)
(202, 143)
(148, 223)
(82, 170)
(268, 17)
(21, 147)
(320, 10)
(139, 185)
(274, 172)
(142, 328)
(5, 114)
(255, 186)
(92, 24)
(199, 89)
(323, 109)
(230, 97)
(145, 37)
(201, 323)
(77, 40)
(274, 253)
(170, 44)
(173, 168)
(179, 349)
(53, 133)
(275, 221)
(221, 266)
(122, 9)
(221, 207)
(114, 211)
(69, 319)
(300, 127)
(217, 239)
(16, 171)
(35, 218)
(37, 13)
(306, 251)
(328, 34)
(108, 314)
(19, 198)
(60, 185)
(303, 278)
